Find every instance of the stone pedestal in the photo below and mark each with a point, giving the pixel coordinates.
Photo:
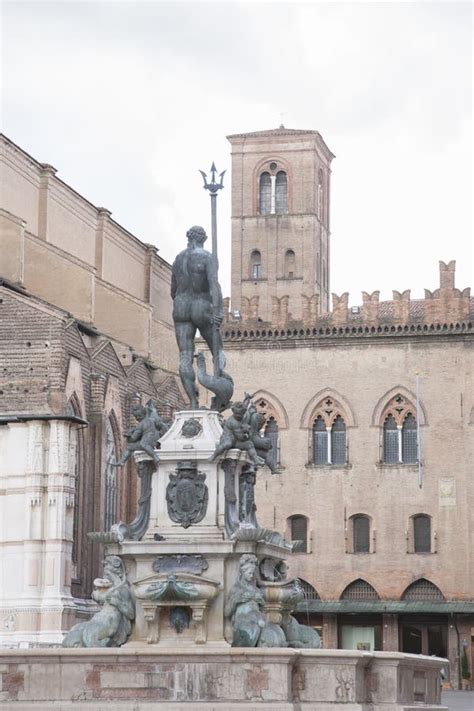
(201, 519)
(205, 679)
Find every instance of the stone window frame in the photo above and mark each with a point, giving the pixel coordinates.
(410, 535)
(313, 409)
(349, 534)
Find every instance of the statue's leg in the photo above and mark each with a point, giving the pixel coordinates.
(185, 333)
(207, 332)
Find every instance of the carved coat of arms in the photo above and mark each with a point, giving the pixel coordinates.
(187, 495)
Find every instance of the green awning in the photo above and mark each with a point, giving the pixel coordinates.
(387, 606)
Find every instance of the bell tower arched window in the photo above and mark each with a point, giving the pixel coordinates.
(320, 195)
(281, 193)
(273, 191)
(265, 194)
(255, 265)
(290, 262)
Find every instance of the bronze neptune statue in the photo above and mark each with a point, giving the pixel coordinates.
(197, 305)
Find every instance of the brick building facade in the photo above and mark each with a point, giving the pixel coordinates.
(375, 461)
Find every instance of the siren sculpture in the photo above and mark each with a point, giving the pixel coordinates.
(111, 626)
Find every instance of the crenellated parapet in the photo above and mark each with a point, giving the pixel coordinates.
(444, 306)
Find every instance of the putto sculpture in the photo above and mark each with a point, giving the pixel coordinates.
(111, 626)
(242, 430)
(197, 305)
(145, 435)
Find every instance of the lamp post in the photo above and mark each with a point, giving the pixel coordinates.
(213, 187)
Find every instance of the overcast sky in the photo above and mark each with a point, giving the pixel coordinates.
(129, 99)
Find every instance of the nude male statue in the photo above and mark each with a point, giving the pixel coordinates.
(197, 304)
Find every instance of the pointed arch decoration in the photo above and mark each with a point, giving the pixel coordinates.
(385, 402)
(359, 589)
(271, 405)
(422, 589)
(338, 406)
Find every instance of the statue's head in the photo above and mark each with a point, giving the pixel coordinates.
(139, 412)
(248, 566)
(113, 567)
(196, 235)
(238, 410)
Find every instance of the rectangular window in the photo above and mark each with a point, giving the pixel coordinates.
(390, 446)
(320, 445)
(256, 271)
(409, 448)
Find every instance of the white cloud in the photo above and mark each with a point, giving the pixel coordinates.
(128, 101)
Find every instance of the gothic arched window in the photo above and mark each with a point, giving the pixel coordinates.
(110, 509)
(271, 431)
(409, 447)
(281, 193)
(329, 434)
(399, 432)
(390, 440)
(255, 265)
(338, 441)
(290, 264)
(299, 532)
(76, 445)
(265, 193)
(320, 441)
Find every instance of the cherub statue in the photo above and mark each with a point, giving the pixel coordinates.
(243, 607)
(237, 433)
(111, 626)
(263, 445)
(144, 436)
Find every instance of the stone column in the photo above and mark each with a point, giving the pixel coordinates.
(453, 655)
(330, 631)
(151, 252)
(103, 216)
(46, 175)
(390, 636)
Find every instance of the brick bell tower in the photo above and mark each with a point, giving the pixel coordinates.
(280, 225)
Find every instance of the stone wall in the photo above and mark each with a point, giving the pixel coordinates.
(103, 274)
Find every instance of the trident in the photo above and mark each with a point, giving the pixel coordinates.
(213, 187)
